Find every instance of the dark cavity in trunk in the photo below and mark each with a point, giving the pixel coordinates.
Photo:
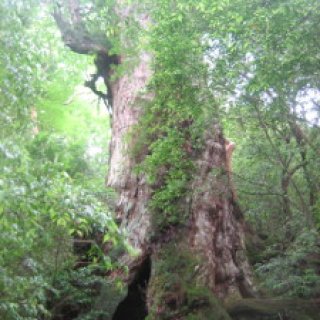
(134, 305)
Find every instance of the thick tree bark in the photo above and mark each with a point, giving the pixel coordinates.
(188, 267)
(214, 234)
(133, 191)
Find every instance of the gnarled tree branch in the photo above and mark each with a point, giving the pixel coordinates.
(74, 34)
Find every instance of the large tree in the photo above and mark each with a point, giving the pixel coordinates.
(168, 160)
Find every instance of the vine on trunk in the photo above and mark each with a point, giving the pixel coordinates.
(173, 124)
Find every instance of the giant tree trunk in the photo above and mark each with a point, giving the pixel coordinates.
(186, 271)
(208, 253)
(182, 272)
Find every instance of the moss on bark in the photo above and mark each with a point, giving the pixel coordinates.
(174, 291)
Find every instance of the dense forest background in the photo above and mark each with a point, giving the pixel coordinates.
(254, 67)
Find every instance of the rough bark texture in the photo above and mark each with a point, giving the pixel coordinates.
(217, 224)
(214, 232)
(132, 206)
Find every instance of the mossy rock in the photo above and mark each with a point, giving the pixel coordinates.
(269, 309)
(109, 298)
(174, 292)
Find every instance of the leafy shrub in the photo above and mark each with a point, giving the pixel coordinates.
(43, 204)
(295, 272)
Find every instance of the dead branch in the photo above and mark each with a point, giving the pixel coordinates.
(74, 33)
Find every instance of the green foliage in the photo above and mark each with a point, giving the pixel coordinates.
(264, 60)
(50, 189)
(259, 60)
(84, 294)
(169, 123)
(253, 59)
(294, 273)
(43, 205)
